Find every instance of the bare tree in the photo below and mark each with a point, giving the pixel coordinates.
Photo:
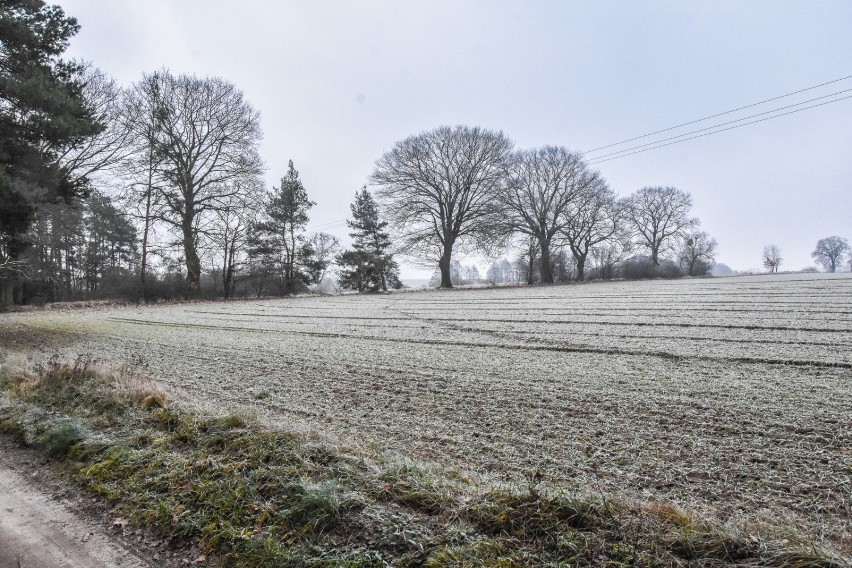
(772, 258)
(608, 254)
(205, 140)
(140, 168)
(439, 189)
(81, 158)
(593, 218)
(830, 251)
(697, 252)
(542, 187)
(324, 249)
(228, 229)
(657, 215)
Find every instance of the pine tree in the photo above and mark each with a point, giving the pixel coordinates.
(41, 109)
(369, 266)
(279, 240)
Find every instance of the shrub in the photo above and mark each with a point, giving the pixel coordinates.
(59, 439)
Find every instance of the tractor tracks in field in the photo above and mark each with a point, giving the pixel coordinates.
(524, 346)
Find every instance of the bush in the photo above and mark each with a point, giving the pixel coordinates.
(58, 440)
(641, 267)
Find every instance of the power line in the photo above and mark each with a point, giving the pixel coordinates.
(593, 161)
(329, 225)
(721, 124)
(718, 115)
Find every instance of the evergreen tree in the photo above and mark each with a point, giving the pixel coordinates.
(369, 266)
(76, 250)
(111, 246)
(41, 110)
(278, 241)
(354, 270)
(55, 244)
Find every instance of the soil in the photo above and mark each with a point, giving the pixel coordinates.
(728, 397)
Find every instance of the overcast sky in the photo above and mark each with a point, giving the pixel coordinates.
(337, 83)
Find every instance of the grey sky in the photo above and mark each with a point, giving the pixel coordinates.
(337, 83)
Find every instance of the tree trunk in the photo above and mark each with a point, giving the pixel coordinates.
(444, 265)
(290, 260)
(146, 230)
(6, 297)
(229, 282)
(581, 267)
(193, 263)
(227, 274)
(228, 269)
(546, 270)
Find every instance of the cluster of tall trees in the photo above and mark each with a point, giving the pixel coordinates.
(42, 116)
(155, 191)
(460, 189)
(78, 250)
(146, 191)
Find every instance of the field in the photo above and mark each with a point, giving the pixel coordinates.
(726, 396)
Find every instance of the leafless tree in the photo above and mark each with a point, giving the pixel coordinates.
(543, 186)
(697, 252)
(608, 254)
(204, 139)
(657, 215)
(593, 218)
(227, 230)
(439, 189)
(772, 258)
(325, 248)
(830, 251)
(141, 167)
(81, 158)
(529, 257)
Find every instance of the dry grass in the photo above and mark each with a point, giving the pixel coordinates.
(252, 496)
(728, 397)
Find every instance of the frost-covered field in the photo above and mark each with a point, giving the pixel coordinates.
(729, 395)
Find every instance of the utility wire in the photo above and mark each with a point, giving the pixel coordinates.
(593, 161)
(329, 225)
(718, 115)
(680, 138)
(721, 124)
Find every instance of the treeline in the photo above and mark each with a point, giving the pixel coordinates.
(155, 191)
(467, 189)
(148, 192)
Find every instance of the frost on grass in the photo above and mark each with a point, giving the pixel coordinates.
(728, 396)
(247, 495)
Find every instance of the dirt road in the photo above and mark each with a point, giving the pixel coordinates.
(39, 531)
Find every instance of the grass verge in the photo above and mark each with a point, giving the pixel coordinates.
(252, 496)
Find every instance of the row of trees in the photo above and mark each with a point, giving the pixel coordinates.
(463, 189)
(43, 121)
(158, 186)
(830, 253)
(145, 191)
